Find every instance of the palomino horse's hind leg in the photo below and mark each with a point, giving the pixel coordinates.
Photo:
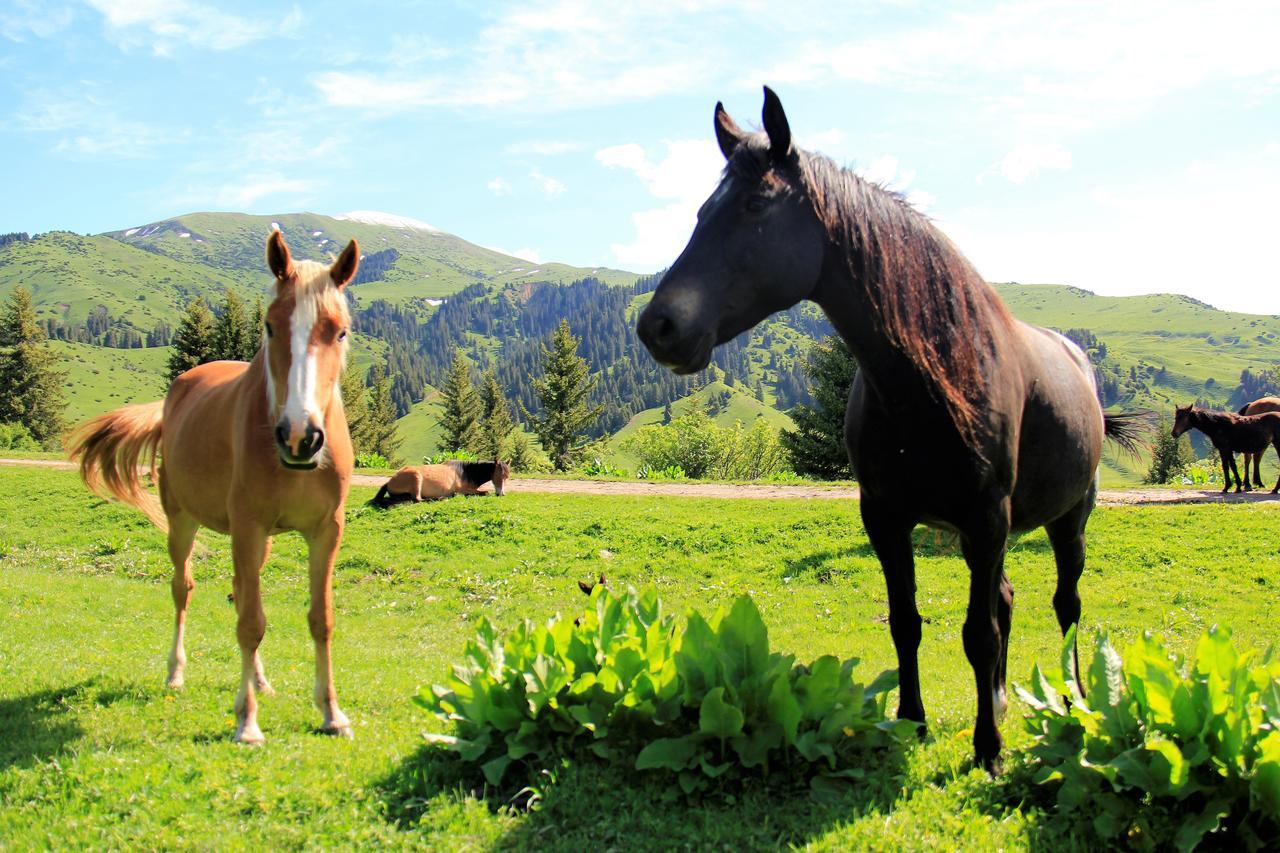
(249, 551)
(182, 535)
(259, 675)
(322, 547)
(891, 539)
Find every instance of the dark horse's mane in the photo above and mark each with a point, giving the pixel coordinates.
(928, 299)
(475, 473)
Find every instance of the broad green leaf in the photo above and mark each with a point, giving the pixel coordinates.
(1106, 676)
(1196, 825)
(1069, 675)
(696, 661)
(744, 640)
(784, 709)
(718, 719)
(816, 691)
(495, 769)
(753, 750)
(671, 753)
(1215, 655)
(1168, 770)
(1264, 787)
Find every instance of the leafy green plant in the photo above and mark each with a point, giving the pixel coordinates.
(372, 460)
(671, 472)
(597, 467)
(451, 456)
(706, 703)
(1160, 749)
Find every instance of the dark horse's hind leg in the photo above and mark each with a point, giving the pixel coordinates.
(1004, 618)
(890, 536)
(1066, 535)
(984, 545)
(1257, 468)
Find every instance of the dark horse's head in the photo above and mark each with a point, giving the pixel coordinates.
(757, 248)
(1181, 420)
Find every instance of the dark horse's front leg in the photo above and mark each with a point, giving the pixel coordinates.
(984, 543)
(1228, 462)
(890, 535)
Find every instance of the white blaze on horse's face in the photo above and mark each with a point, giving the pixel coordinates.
(306, 327)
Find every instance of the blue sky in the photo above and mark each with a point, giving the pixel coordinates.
(1122, 147)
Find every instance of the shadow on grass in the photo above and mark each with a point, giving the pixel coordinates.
(586, 803)
(41, 725)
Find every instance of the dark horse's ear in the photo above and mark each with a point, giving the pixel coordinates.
(776, 126)
(728, 134)
(344, 268)
(279, 261)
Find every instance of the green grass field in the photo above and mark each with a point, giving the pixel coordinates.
(95, 752)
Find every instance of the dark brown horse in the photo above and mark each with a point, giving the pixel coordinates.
(1257, 407)
(999, 419)
(1231, 434)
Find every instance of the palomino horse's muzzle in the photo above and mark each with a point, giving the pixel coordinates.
(300, 456)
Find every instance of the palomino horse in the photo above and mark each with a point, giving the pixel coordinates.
(432, 482)
(1232, 434)
(250, 450)
(999, 419)
(1257, 407)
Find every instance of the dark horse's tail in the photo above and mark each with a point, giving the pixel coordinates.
(1244, 410)
(1126, 429)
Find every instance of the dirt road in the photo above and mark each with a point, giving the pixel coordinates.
(1108, 497)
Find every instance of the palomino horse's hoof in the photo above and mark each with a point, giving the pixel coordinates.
(174, 682)
(264, 687)
(250, 737)
(344, 732)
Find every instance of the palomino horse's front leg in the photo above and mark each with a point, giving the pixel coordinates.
(322, 548)
(182, 535)
(249, 545)
(984, 547)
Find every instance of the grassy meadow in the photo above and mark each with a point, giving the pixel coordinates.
(95, 752)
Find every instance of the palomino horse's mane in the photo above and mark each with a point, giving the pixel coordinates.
(928, 300)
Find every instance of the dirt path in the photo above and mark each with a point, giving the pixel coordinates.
(1127, 497)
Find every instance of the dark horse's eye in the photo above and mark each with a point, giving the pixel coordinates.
(757, 202)
(270, 332)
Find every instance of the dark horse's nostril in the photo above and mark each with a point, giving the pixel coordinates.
(656, 327)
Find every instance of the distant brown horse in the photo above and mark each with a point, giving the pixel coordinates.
(1000, 419)
(432, 482)
(1232, 434)
(250, 450)
(1257, 407)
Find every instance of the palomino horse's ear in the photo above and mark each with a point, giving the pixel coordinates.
(344, 268)
(776, 126)
(279, 261)
(728, 134)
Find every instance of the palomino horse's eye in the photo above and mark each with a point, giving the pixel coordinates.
(270, 332)
(757, 203)
(342, 336)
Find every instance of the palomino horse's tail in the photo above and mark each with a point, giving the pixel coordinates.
(109, 448)
(1127, 429)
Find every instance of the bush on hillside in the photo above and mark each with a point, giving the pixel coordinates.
(703, 450)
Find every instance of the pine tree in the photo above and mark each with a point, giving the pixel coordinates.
(563, 390)
(1170, 457)
(463, 410)
(356, 406)
(234, 336)
(259, 321)
(195, 341)
(380, 428)
(495, 424)
(31, 382)
(666, 413)
(817, 447)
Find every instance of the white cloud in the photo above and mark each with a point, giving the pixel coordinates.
(687, 173)
(242, 195)
(533, 256)
(1028, 161)
(23, 18)
(164, 25)
(549, 185)
(87, 125)
(499, 186)
(886, 171)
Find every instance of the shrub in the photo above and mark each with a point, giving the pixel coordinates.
(15, 436)
(597, 467)
(1163, 749)
(449, 456)
(372, 460)
(620, 682)
(671, 472)
(703, 450)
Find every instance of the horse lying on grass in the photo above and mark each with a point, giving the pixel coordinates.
(434, 482)
(1232, 434)
(250, 450)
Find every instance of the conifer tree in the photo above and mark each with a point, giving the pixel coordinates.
(380, 425)
(31, 382)
(816, 446)
(463, 411)
(496, 424)
(195, 341)
(563, 390)
(235, 339)
(1170, 457)
(355, 404)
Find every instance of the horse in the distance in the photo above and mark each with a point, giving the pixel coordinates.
(433, 482)
(961, 417)
(1231, 434)
(1257, 407)
(249, 450)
